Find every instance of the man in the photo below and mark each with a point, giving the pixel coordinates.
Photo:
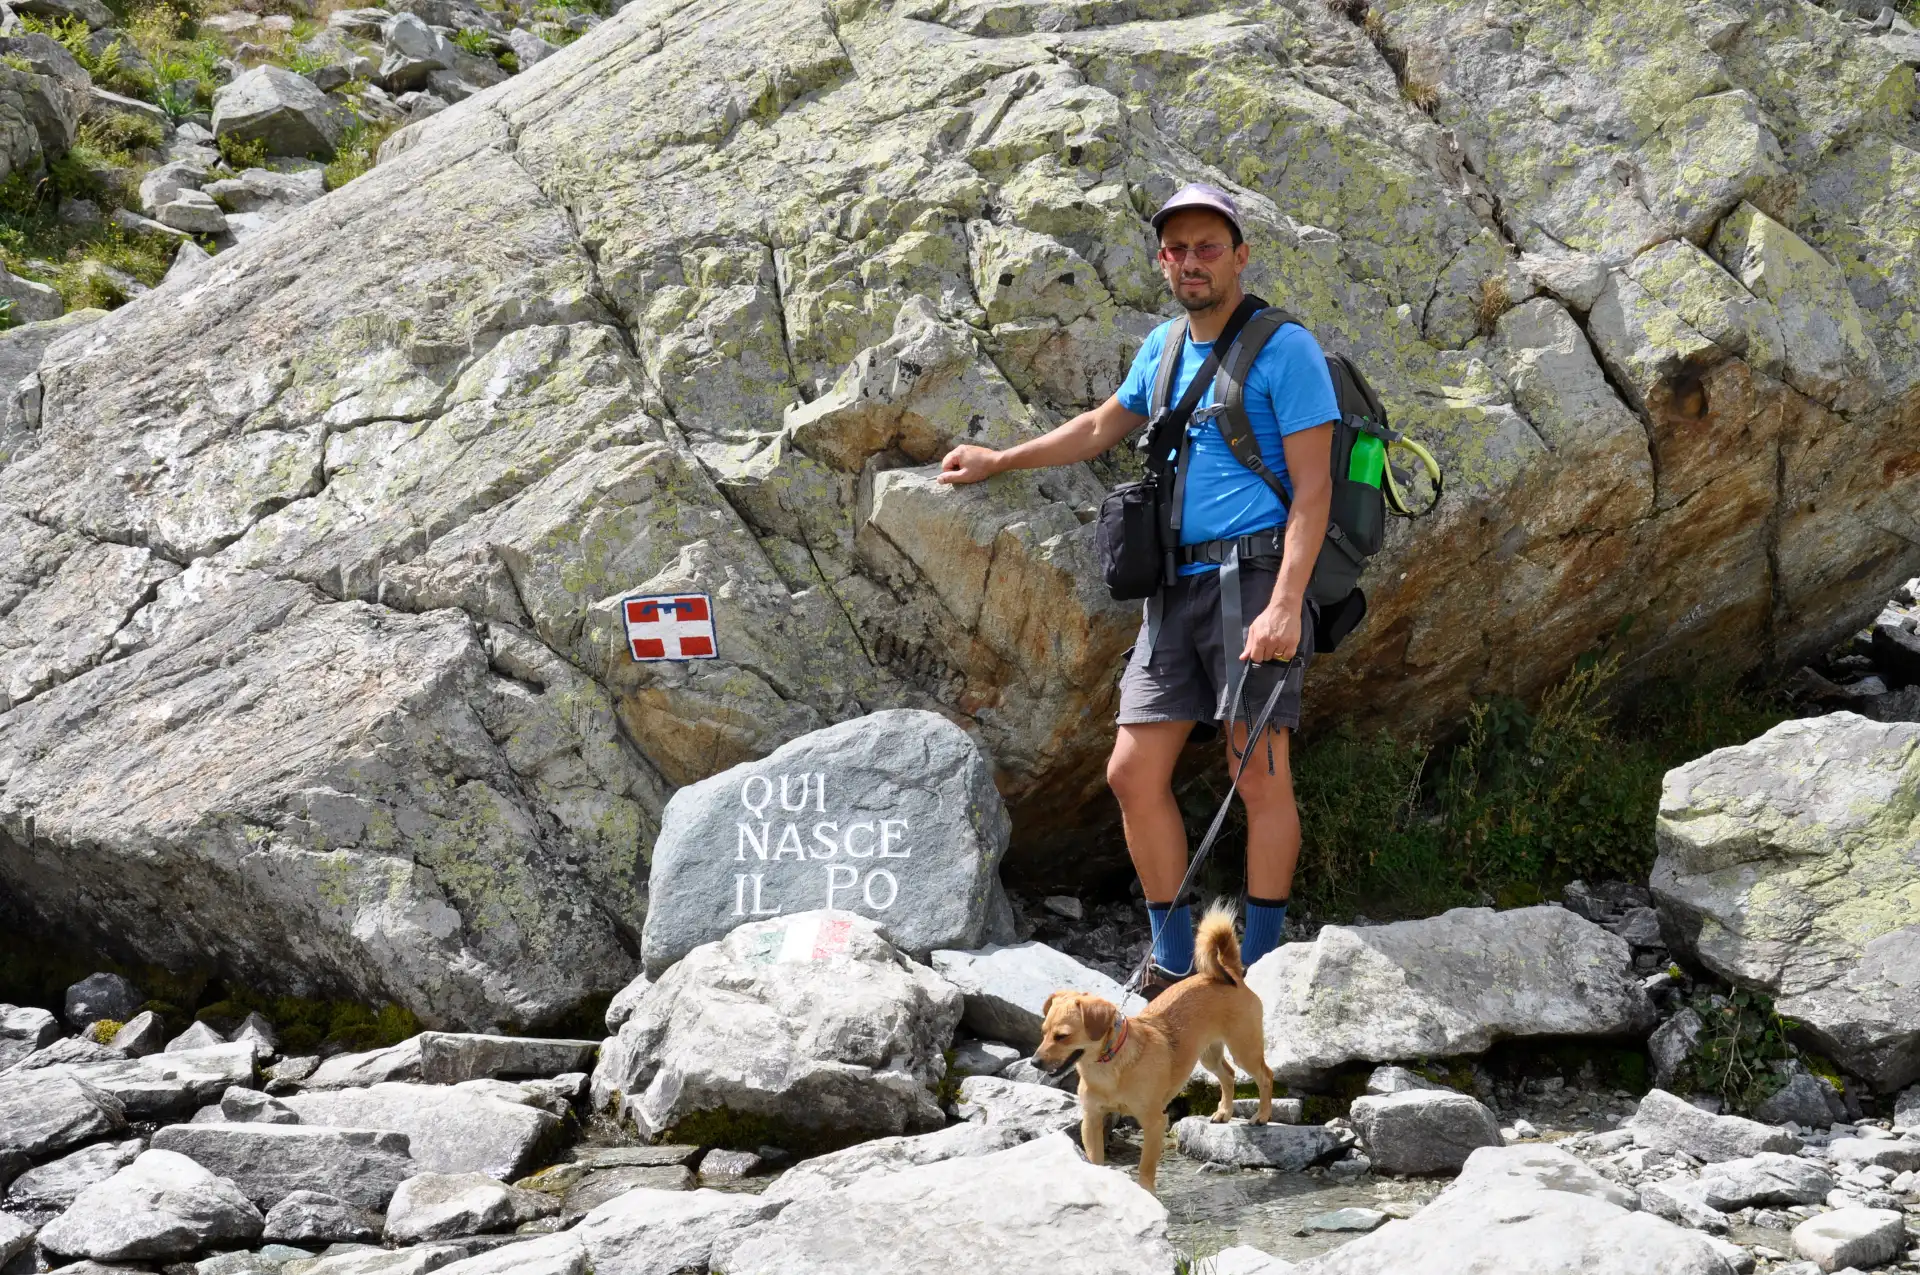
(1181, 678)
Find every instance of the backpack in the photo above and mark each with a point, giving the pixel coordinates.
(1365, 488)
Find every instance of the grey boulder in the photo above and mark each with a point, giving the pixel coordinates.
(1442, 987)
(1666, 1123)
(244, 1106)
(45, 1113)
(445, 1206)
(1527, 1210)
(1851, 1237)
(893, 816)
(161, 1206)
(197, 1036)
(881, 1156)
(284, 111)
(1032, 1109)
(95, 14)
(313, 1217)
(100, 996)
(271, 1161)
(54, 1185)
(1423, 1130)
(1037, 1206)
(356, 1071)
(145, 1033)
(450, 1130)
(1006, 988)
(647, 1232)
(1901, 1155)
(1286, 1147)
(1804, 1100)
(24, 1029)
(1785, 865)
(1672, 1043)
(32, 302)
(414, 51)
(813, 1021)
(1765, 1179)
(168, 1085)
(16, 1237)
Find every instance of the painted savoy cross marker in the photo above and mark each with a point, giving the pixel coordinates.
(892, 816)
(670, 627)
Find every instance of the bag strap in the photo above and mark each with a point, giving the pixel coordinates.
(1230, 414)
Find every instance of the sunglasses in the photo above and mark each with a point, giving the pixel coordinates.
(1200, 252)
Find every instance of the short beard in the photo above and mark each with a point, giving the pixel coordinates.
(1207, 302)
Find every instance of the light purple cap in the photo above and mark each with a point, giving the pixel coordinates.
(1201, 195)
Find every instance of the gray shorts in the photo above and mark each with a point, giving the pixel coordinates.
(1186, 678)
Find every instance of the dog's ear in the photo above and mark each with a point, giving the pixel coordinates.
(1046, 1006)
(1096, 1016)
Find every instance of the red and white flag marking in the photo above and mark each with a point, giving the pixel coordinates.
(672, 627)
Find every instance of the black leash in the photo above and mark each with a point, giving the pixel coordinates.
(1220, 815)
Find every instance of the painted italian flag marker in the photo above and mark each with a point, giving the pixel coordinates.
(814, 938)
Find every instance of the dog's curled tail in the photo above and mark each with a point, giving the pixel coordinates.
(1216, 952)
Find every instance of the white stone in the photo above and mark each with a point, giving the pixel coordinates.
(1007, 987)
(161, 1206)
(1851, 1237)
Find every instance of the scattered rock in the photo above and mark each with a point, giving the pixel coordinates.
(1851, 1237)
(285, 1076)
(198, 1036)
(1037, 1206)
(1244, 1259)
(32, 302)
(1900, 1156)
(1680, 1202)
(167, 1085)
(1395, 1079)
(271, 1161)
(621, 1007)
(100, 996)
(448, 1058)
(311, 1217)
(718, 1166)
(24, 1030)
(551, 1255)
(43, 1114)
(1906, 1111)
(1768, 1178)
(445, 1206)
(1423, 1130)
(450, 1130)
(1672, 1042)
(1803, 1100)
(244, 1106)
(141, 1035)
(91, 12)
(1442, 987)
(884, 1156)
(1006, 988)
(55, 1185)
(982, 1058)
(16, 1237)
(161, 1206)
(893, 816)
(1527, 1210)
(1343, 1221)
(814, 1021)
(1805, 821)
(258, 1032)
(1288, 1148)
(1667, 1123)
(284, 111)
(357, 1071)
(414, 51)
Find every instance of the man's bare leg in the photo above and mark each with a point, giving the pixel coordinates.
(1273, 820)
(1140, 772)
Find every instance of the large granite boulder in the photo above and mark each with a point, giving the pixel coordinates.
(1006, 987)
(813, 1023)
(694, 306)
(286, 113)
(1444, 986)
(1789, 865)
(893, 816)
(1527, 1210)
(448, 1130)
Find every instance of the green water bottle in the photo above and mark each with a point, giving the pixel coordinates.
(1368, 462)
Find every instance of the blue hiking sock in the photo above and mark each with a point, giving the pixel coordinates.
(1266, 923)
(1172, 937)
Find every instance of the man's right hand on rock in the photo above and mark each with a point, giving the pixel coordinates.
(969, 464)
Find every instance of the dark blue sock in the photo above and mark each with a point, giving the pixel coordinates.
(1266, 923)
(1172, 937)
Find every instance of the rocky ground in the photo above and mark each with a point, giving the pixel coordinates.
(161, 134)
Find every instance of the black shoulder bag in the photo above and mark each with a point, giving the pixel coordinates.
(1135, 541)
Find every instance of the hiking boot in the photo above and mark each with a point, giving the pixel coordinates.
(1158, 980)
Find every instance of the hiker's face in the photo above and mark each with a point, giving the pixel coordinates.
(1186, 241)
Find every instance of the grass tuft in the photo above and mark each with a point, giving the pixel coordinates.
(1495, 301)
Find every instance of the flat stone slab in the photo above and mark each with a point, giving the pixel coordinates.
(168, 1086)
(1343, 1221)
(44, 1113)
(1851, 1237)
(447, 1058)
(1287, 1147)
(893, 816)
(1667, 1123)
(271, 1161)
(664, 1153)
(55, 1184)
(449, 1130)
(1423, 1130)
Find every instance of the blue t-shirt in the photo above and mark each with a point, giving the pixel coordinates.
(1287, 391)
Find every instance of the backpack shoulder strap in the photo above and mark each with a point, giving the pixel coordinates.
(1170, 352)
(1230, 389)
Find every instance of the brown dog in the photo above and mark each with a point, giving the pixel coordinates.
(1136, 1066)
